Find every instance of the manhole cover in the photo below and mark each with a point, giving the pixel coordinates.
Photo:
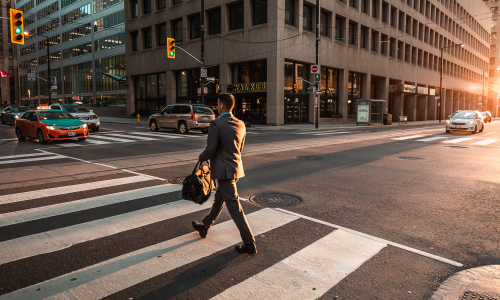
(275, 200)
(177, 180)
(456, 147)
(475, 296)
(410, 158)
(308, 157)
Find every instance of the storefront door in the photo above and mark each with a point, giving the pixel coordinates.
(296, 110)
(251, 107)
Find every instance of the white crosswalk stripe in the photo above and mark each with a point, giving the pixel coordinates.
(136, 137)
(486, 142)
(328, 132)
(456, 141)
(115, 139)
(22, 158)
(409, 137)
(435, 138)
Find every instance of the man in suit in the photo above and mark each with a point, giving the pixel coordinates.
(226, 136)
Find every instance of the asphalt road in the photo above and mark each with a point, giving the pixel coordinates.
(385, 213)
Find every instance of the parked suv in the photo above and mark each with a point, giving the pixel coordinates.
(81, 113)
(183, 117)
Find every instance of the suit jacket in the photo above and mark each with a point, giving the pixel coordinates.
(226, 137)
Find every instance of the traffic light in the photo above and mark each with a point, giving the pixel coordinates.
(16, 26)
(171, 47)
(217, 88)
(295, 88)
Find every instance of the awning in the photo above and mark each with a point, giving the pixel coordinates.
(121, 79)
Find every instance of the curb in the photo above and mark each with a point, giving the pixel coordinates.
(482, 281)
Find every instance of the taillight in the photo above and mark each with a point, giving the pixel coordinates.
(193, 117)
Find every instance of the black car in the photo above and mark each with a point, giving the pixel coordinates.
(11, 113)
(486, 116)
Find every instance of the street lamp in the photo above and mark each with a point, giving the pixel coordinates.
(48, 62)
(441, 78)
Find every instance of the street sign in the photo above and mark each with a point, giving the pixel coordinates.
(205, 90)
(31, 75)
(53, 83)
(203, 72)
(437, 97)
(54, 95)
(317, 77)
(311, 89)
(314, 68)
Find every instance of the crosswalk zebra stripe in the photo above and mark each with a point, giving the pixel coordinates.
(486, 142)
(456, 141)
(435, 138)
(409, 137)
(59, 239)
(121, 135)
(329, 133)
(322, 132)
(159, 134)
(69, 145)
(106, 137)
(89, 140)
(15, 161)
(37, 213)
(111, 276)
(22, 155)
(310, 272)
(24, 196)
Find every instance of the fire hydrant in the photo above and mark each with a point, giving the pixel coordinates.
(138, 119)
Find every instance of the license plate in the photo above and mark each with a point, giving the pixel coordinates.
(72, 133)
(205, 118)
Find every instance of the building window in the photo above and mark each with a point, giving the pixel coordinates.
(105, 43)
(135, 8)
(236, 16)
(162, 34)
(147, 7)
(354, 88)
(392, 48)
(110, 20)
(364, 38)
(364, 6)
(307, 13)
(352, 3)
(194, 27)
(259, 12)
(324, 23)
(374, 41)
(147, 36)
(339, 28)
(135, 41)
(375, 8)
(384, 44)
(177, 30)
(329, 96)
(385, 12)
(214, 21)
(162, 4)
(353, 30)
(174, 2)
(290, 12)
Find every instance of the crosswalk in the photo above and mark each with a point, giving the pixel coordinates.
(78, 228)
(447, 139)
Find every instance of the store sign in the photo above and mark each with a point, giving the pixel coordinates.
(409, 88)
(254, 87)
(422, 90)
(404, 88)
(432, 92)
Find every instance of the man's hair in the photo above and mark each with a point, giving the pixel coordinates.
(228, 100)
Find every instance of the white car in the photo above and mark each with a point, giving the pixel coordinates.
(81, 113)
(465, 120)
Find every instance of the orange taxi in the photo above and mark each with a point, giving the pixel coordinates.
(48, 125)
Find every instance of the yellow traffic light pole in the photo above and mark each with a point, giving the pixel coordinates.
(16, 26)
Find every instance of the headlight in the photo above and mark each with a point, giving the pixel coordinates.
(52, 127)
(16, 117)
(84, 125)
(470, 122)
(98, 123)
(448, 122)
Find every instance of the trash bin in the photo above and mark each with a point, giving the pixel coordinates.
(387, 119)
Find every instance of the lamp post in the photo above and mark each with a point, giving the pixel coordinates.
(441, 78)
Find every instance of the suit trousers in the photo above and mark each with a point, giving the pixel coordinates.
(227, 194)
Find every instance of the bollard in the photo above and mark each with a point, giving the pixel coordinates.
(138, 119)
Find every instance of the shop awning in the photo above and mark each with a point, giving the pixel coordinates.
(121, 79)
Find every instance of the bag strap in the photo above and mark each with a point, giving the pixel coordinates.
(198, 165)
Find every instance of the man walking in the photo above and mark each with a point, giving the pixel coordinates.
(226, 137)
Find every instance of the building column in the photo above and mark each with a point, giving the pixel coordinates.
(130, 96)
(421, 108)
(398, 105)
(225, 77)
(343, 85)
(275, 91)
(410, 107)
(367, 85)
(448, 108)
(383, 89)
(456, 100)
(431, 108)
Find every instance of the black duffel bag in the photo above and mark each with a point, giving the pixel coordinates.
(198, 186)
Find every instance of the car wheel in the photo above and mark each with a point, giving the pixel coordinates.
(448, 131)
(204, 131)
(183, 128)
(41, 138)
(82, 139)
(19, 135)
(95, 129)
(153, 126)
(475, 130)
(482, 128)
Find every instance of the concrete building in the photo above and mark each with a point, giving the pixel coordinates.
(494, 68)
(259, 49)
(8, 61)
(86, 39)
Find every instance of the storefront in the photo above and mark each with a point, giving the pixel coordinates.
(354, 88)
(296, 97)
(329, 107)
(150, 93)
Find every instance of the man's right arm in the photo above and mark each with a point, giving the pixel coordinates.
(212, 142)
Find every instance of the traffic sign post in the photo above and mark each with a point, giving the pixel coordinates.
(314, 68)
(311, 89)
(31, 74)
(203, 72)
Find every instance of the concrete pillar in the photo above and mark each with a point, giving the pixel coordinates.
(130, 96)
(456, 101)
(275, 91)
(468, 101)
(171, 87)
(398, 106)
(448, 109)
(410, 106)
(343, 84)
(383, 92)
(431, 108)
(367, 85)
(421, 108)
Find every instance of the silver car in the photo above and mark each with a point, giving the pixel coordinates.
(465, 120)
(81, 113)
(183, 117)
(11, 113)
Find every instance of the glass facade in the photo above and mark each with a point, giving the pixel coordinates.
(296, 103)
(354, 88)
(114, 65)
(329, 93)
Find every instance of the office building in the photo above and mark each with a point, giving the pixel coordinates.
(494, 67)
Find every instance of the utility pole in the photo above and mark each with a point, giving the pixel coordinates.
(202, 31)
(316, 104)
(48, 69)
(482, 97)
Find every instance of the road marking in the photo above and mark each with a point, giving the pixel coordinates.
(131, 136)
(71, 189)
(69, 145)
(322, 132)
(106, 137)
(89, 140)
(432, 139)
(111, 276)
(409, 137)
(84, 204)
(459, 140)
(158, 134)
(9, 139)
(23, 155)
(486, 142)
(329, 133)
(310, 272)
(409, 249)
(15, 161)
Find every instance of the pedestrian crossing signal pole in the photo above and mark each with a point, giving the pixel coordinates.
(316, 102)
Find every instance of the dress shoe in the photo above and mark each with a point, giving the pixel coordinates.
(200, 228)
(248, 249)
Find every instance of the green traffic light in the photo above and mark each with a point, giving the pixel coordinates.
(18, 30)
(172, 53)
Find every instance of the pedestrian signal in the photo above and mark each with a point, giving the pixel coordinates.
(16, 26)
(171, 47)
(217, 88)
(295, 88)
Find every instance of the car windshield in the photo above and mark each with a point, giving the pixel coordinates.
(464, 115)
(202, 110)
(54, 115)
(19, 109)
(75, 109)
